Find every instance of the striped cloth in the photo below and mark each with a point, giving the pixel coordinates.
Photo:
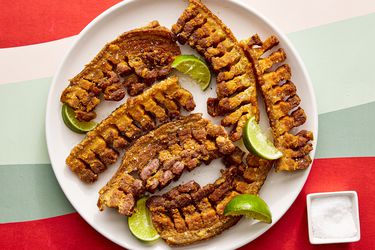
(335, 39)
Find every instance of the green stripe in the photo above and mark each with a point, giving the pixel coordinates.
(340, 59)
(30, 192)
(348, 132)
(22, 122)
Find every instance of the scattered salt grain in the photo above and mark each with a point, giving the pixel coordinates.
(332, 217)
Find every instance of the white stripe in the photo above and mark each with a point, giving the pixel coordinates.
(33, 61)
(41, 60)
(296, 15)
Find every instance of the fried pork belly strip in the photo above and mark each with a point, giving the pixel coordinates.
(282, 103)
(102, 145)
(190, 213)
(161, 156)
(134, 60)
(236, 84)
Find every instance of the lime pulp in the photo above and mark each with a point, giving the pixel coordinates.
(257, 143)
(251, 206)
(73, 124)
(195, 68)
(140, 223)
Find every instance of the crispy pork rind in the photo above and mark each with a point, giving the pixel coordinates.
(236, 85)
(282, 103)
(102, 146)
(190, 213)
(133, 61)
(160, 157)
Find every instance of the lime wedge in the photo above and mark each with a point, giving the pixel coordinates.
(75, 125)
(195, 68)
(249, 205)
(140, 223)
(257, 143)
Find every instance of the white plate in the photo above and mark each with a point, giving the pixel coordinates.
(279, 191)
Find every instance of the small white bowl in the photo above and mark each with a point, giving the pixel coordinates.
(354, 198)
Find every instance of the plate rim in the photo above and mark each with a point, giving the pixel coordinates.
(253, 11)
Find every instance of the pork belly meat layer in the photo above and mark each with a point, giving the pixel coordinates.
(160, 157)
(236, 85)
(102, 146)
(282, 103)
(190, 213)
(133, 61)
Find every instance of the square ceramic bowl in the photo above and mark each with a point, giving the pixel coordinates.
(355, 211)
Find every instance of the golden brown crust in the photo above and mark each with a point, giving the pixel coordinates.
(205, 32)
(190, 213)
(282, 103)
(102, 145)
(161, 156)
(134, 60)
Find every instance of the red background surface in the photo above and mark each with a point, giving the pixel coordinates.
(25, 22)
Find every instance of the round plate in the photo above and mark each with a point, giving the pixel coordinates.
(280, 189)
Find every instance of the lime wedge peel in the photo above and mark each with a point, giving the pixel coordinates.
(72, 123)
(258, 143)
(251, 206)
(195, 68)
(140, 223)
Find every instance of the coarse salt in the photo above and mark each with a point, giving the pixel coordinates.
(332, 217)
